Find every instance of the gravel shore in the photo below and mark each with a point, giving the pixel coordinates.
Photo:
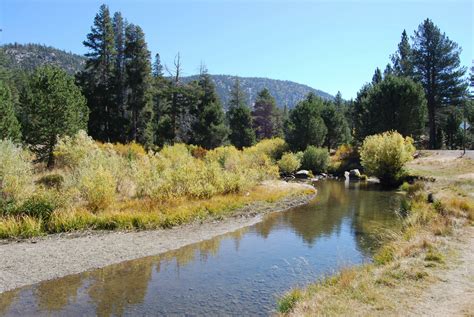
(31, 261)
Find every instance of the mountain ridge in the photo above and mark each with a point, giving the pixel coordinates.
(286, 93)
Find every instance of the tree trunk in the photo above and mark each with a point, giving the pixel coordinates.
(432, 124)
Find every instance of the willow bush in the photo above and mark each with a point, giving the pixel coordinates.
(16, 173)
(384, 156)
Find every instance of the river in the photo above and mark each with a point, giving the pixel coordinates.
(239, 273)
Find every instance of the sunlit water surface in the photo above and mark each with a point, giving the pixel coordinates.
(239, 273)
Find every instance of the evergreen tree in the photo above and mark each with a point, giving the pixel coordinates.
(338, 131)
(377, 78)
(54, 107)
(119, 121)
(157, 67)
(265, 116)
(361, 117)
(9, 125)
(98, 78)
(208, 128)
(388, 70)
(139, 97)
(239, 117)
(403, 59)
(396, 103)
(338, 101)
(452, 129)
(437, 66)
(305, 125)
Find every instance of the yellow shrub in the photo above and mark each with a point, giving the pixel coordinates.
(384, 155)
(273, 148)
(70, 151)
(16, 175)
(97, 187)
(289, 163)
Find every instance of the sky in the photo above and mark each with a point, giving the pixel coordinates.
(329, 45)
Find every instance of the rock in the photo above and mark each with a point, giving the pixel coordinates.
(302, 174)
(346, 174)
(354, 174)
(431, 198)
(324, 175)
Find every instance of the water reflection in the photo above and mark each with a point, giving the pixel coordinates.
(239, 272)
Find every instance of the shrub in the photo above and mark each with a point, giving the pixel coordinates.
(289, 163)
(273, 148)
(16, 172)
(384, 155)
(70, 151)
(315, 159)
(40, 206)
(130, 151)
(51, 181)
(287, 302)
(346, 158)
(97, 187)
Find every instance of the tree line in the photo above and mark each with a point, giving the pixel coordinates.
(122, 96)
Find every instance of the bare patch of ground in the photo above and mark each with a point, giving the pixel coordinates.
(30, 261)
(453, 293)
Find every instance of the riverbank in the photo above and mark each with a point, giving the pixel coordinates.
(424, 269)
(43, 258)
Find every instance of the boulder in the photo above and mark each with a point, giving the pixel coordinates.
(302, 174)
(354, 174)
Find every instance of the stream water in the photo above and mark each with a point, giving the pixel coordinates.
(239, 273)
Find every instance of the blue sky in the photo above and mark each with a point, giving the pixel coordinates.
(329, 45)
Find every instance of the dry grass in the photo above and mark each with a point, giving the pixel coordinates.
(143, 214)
(409, 261)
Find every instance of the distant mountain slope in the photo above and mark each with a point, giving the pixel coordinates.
(285, 92)
(30, 56)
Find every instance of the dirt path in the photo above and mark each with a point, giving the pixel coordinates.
(31, 261)
(453, 295)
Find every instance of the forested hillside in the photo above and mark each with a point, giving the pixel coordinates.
(30, 56)
(285, 92)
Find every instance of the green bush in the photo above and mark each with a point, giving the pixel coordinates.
(384, 156)
(38, 206)
(16, 172)
(288, 302)
(289, 163)
(315, 159)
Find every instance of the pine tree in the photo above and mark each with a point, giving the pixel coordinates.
(396, 103)
(54, 107)
(239, 117)
(120, 119)
(305, 125)
(208, 128)
(157, 67)
(361, 117)
(139, 97)
(98, 78)
(377, 78)
(337, 128)
(403, 59)
(388, 70)
(9, 125)
(265, 116)
(437, 66)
